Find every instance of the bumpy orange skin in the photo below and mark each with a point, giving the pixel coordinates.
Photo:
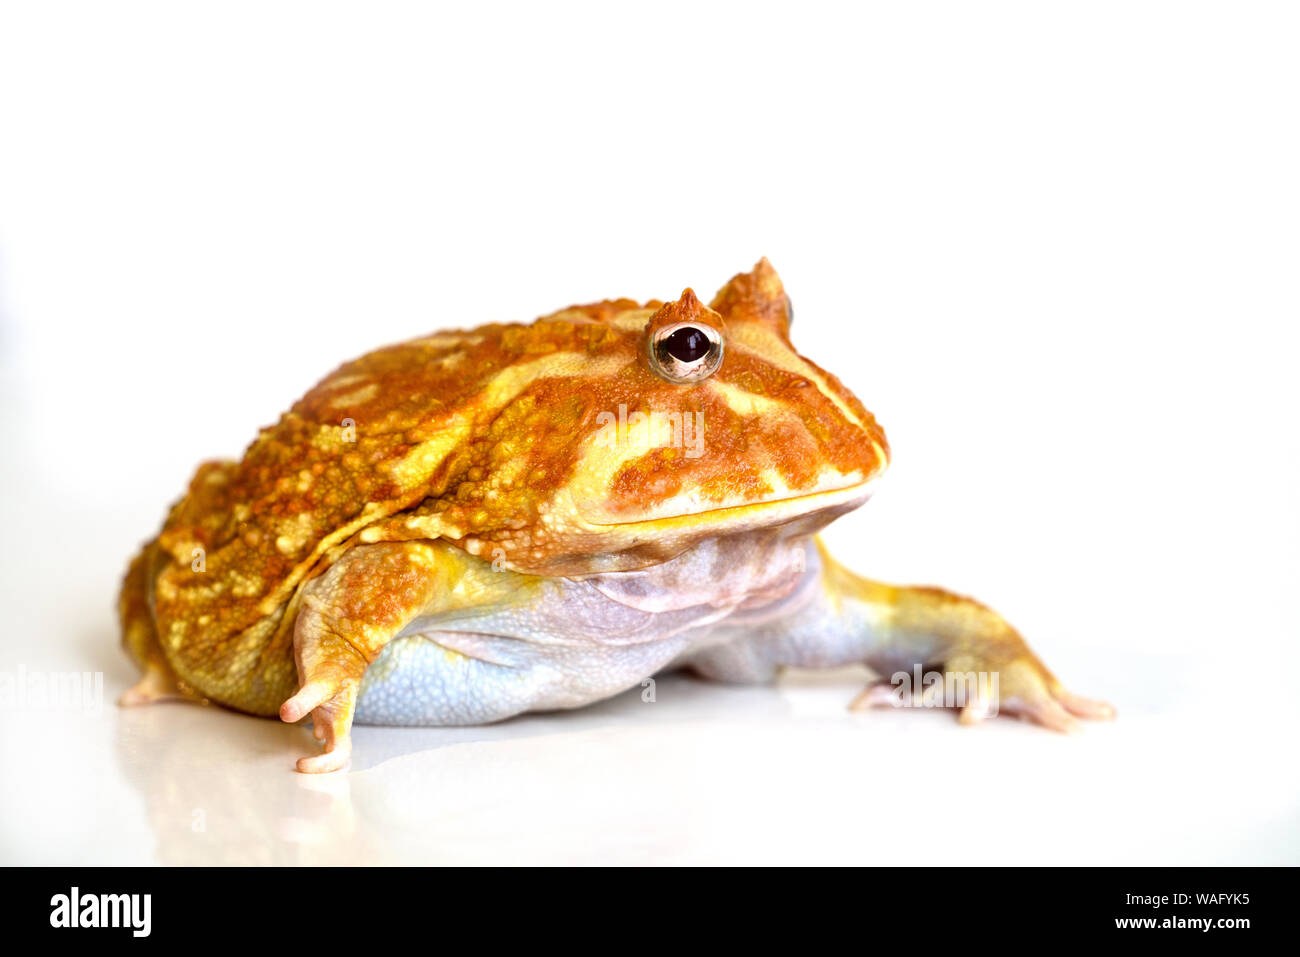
(486, 439)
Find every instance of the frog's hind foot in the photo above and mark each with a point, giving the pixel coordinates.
(884, 693)
(157, 684)
(1022, 689)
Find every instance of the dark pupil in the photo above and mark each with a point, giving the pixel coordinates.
(687, 344)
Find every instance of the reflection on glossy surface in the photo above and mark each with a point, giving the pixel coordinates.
(219, 787)
(706, 774)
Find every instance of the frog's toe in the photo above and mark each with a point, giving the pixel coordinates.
(887, 694)
(1043, 709)
(308, 698)
(978, 709)
(155, 685)
(336, 736)
(1030, 692)
(1059, 711)
(1085, 707)
(877, 694)
(1027, 691)
(337, 753)
(330, 706)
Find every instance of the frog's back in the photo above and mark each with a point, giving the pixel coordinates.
(397, 427)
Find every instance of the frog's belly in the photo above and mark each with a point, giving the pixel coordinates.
(464, 677)
(579, 641)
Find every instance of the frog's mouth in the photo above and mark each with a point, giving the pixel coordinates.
(690, 512)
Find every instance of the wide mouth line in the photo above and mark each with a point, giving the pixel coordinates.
(843, 491)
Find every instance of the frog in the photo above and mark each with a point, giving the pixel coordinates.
(532, 517)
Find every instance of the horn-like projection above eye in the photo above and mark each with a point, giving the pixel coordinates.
(685, 352)
(755, 296)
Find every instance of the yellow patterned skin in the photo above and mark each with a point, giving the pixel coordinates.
(423, 468)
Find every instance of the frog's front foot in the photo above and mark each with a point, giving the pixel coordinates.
(347, 616)
(983, 686)
(330, 668)
(330, 704)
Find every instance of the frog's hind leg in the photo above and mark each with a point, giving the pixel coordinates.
(346, 618)
(140, 638)
(941, 649)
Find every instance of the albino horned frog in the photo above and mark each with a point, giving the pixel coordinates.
(471, 525)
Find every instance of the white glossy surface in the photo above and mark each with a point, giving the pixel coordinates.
(705, 774)
(1054, 251)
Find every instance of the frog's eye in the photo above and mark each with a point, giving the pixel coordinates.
(686, 352)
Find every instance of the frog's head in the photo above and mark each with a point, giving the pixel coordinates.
(602, 437)
(718, 425)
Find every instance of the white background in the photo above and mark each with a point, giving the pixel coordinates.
(1053, 247)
